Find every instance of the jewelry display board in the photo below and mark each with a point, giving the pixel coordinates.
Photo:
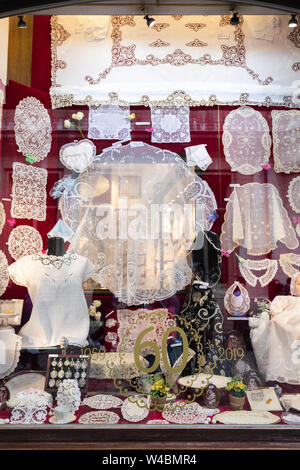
(73, 366)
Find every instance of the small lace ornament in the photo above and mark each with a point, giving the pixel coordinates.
(29, 195)
(246, 140)
(249, 265)
(68, 395)
(170, 124)
(109, 122)
(286, 140)
(135, 408)
(197, 155)
(110, 323)
(33, 128)
(4, 276)
(77, 156)
(2, 217)
(103, 402)
(24, 240)
(236, 300)
(184, 413)
(287, 262)
(99, 417)
(294, 194)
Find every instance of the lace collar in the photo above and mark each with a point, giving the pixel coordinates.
(287, 260)
(55, 261)
(249, 265)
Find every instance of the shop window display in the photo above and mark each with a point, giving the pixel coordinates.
(149, 255)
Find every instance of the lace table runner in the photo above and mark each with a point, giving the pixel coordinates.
(286, 140)
(109, 122)
(29, 195)
(246, 140)
(170, 124)
(33, 128)
(24, 240)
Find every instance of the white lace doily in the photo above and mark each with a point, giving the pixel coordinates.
(287, 260)
(33, 128)
(110, 323)
(103, 402)
(29, 197)
(170, 124)
(294, 193)
(286, 140)
(135, 408)
(77, 156)
(184, 413)
(270, 267)
(246, 417)
(99, 417)
(109, 122)
(2, 217)
(4, 276)
(256, 219)
(133, 322)
(246, 140)
(237, 305)
(24, 240)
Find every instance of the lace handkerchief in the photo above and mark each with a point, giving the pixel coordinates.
(109, 122)
(286, 140)
(170, 124)
(33, 128)
(294, 194)
(246, 140)
(24, 240)
(28, 192)
(197, 155)
(4, 276)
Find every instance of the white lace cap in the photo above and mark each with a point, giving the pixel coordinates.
(197, 155)
(62, 230)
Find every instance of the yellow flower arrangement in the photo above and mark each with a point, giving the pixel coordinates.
(159, 386)
(236, 386)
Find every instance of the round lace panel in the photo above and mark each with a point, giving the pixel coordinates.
(33, 128)
(24, 240)
(103, 402)
(246, 140)
(2, 217)
(237, 305)
(135, 408)
(249, 265)
(294, 194)
(4, 276)
(99, 417)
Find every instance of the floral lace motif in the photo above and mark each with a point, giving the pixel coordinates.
(294, 36)
(110, 323)
(286, 140)
(99, 417)
(246, 140)
(2, 217)
(29, 195)
(249, 265)
(58, 36)
(237, 305)
(24, 240)
(195, 26)
(33, 128)
(133, 322)
(287, 260)
(109, 122)
(170, 124)
(256, 219)
(294, 194)
(159, 43)
(28, 415)
(56, 261)
(4, 276)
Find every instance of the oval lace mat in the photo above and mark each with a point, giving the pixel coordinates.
(246, 417)
(190, 413)
(135, 408)
(99, 417)
(103, 402)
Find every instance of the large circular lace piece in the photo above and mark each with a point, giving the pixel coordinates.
(103, 402)
(4, 276)
(24, 240)
(246, 140)
(184, 413)
(294, 194)
(136, 212)
(2, 217)
(33, 128)
(135, 408)
(99, 417)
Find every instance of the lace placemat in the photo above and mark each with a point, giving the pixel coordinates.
(109, 122)
(99, 417)
(29, 195)
(170, 124)
(103, 402)
(184, 413)
(24, 240)
(33, 128)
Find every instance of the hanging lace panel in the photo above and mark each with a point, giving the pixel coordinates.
(29, 196)
(33, 128)
(286, 140)
(246, 140)
(109, 122)
(135, 213)
(256, 219)
(288, 261)
(294, 194)
(247, 267)
(4, 276)
(2, 217)
(24, 240)
(170, 124)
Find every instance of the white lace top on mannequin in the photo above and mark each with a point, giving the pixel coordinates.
(59, 309)
(276, 342)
